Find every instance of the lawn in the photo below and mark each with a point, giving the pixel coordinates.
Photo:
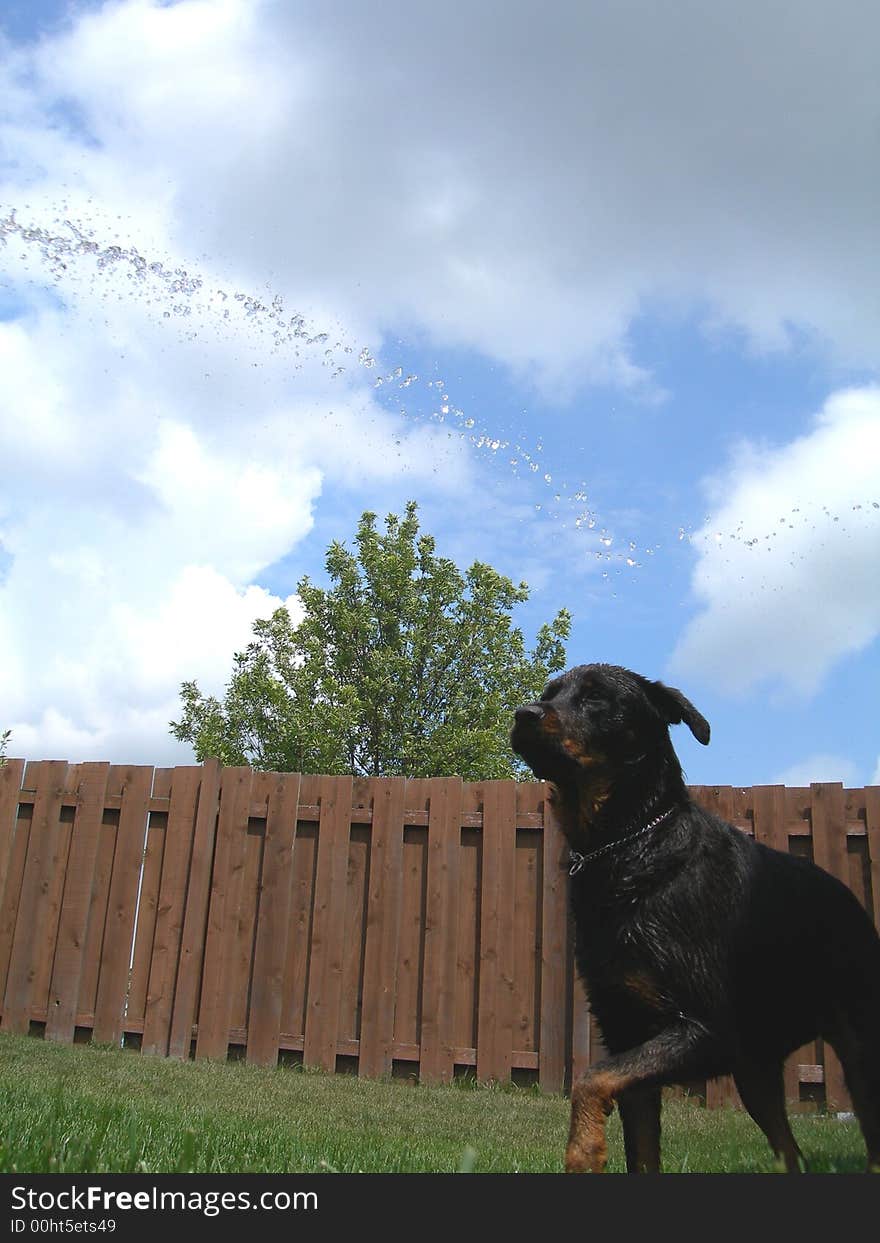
(90, 1109)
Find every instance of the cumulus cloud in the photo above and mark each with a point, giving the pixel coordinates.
(111, 687)
(786, 578)
(819, 767)
(131, 543)
(519, 184)
(153, 470)
(141, 506)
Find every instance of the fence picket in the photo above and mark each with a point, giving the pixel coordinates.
(113, 979)
(14, 833)
(176, 856)
(70, 951)
(328, 926)
(192, 943)
(11, 774)
(551, 1043)
(437, 1063)
(271, 944)
(216, 1000)
(148, 904)
(36, 922)
(383, 928)
(495, 1024)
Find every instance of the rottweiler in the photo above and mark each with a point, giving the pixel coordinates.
(703, 952)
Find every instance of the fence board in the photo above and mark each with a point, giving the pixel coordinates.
(441, 930)
(70, 951)
(37, 913)
(526, 964)
(829, 851)
(467, 980)
(410, 953)
(245, 922)
(122, 903)
(554, 949)
(45, 952)
(179, 830)
(383, 928)
(192, 945)
(91, 967)
(355, 920)
(47, 939)
(11, 774)
(216, 1002)
(271, 944)
(17, 818)
(328, 929)
(495, 1015)
(305, 858)
(148, 905)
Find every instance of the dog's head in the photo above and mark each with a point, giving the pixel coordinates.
(596, 723)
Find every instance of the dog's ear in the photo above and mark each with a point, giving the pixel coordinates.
(674, 708)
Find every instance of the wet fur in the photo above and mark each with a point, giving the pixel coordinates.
(703, 952)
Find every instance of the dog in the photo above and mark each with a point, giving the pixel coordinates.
(703, 952)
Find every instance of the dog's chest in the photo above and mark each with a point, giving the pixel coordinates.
(624, 956)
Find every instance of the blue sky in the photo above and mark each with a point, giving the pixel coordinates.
(598, 286)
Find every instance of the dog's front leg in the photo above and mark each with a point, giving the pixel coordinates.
(640, 1115)
(683, 1051)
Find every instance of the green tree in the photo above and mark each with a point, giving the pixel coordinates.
(4, 739)
(403, 666)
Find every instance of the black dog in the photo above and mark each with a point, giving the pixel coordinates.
(703, 952)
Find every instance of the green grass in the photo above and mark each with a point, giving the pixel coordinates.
(90, 1109)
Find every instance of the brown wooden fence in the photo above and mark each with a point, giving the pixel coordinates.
(413, 927)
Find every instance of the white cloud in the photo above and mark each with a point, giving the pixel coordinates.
(234, 514)
(112, 687)
(141, 504)
(147, 484)
(524, 187)
(133, 545)
(819, 767)
(787, 577)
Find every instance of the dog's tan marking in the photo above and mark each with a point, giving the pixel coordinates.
(591, 791)
(578, 752)
(593, 795)
(550, 724)
(593, 785)
(591, 1103)
(641, 986)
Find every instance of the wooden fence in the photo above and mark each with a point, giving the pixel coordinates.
(412, 927)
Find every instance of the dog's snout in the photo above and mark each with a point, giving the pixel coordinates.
(530, 712)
